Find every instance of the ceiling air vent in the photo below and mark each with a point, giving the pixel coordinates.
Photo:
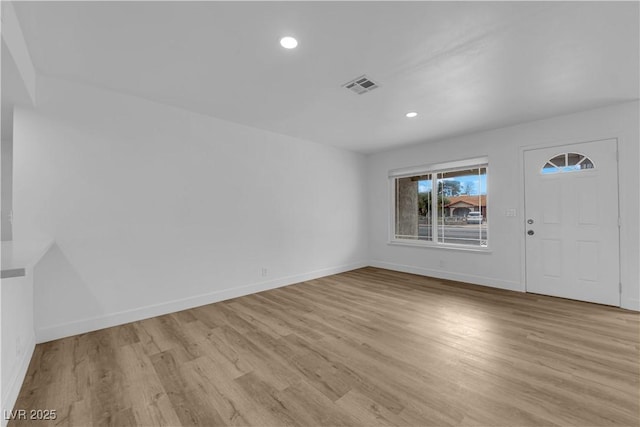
(360, 85)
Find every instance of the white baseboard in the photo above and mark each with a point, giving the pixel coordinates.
(630, 304)
(51, 333)
(10, 395)
(447, 275)
(626, 303)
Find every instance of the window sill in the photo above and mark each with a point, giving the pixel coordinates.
(449, 247)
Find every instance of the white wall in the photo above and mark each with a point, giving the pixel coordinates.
(504, 266)
(18, 338)
(155, 209)
(16, 45)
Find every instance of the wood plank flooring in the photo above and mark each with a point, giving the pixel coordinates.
(363, 348)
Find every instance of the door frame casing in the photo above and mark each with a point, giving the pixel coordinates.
(522, 205)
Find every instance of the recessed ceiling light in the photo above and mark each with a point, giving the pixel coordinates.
(411, 114)
(288, 42)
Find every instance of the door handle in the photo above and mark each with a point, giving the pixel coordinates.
(531, 232)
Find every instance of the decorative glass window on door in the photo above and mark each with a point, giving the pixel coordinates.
(567, 162)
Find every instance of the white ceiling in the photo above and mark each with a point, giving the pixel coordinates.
(463, 66)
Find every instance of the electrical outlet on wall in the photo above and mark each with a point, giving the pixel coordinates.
(264, 272)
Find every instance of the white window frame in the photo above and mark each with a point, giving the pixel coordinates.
(433, 169)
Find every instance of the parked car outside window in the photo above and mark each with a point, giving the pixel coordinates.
(474, 218)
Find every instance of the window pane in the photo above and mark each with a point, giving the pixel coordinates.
(413, 208)
(574, 158)
(549, 168)
(425, 210)
(462, 207)
(559, 160)
(586, 164)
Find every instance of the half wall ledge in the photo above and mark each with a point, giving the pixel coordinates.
(20, 256)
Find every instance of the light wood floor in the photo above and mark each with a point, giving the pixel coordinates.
(367, 347)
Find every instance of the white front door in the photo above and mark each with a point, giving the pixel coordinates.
(571, 214)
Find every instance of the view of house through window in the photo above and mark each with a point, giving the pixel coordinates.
(443, 207)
